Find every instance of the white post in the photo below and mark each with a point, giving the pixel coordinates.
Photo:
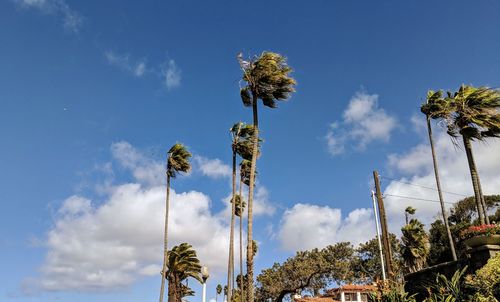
(358, 296)
(204, 277)
(204, 293)
(378, 236)
(342, 296)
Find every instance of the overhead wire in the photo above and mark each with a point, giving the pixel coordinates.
(417, 185)
(414, 198)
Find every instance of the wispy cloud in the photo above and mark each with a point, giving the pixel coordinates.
(72, 20)
(167, 72)
(123, 61)
(171, 74)
(363, 122)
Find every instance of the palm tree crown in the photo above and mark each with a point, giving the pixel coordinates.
(242, 137)
(471, 112)
(267, 79)
(178, 160)
(182, 263)
(245, 166)
(240, 205)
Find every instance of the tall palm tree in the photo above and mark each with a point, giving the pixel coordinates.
(177, 161)
(241, 144)
(431, 96)
(472, 113)
(182, 263)
(267, 78)
(218, 291)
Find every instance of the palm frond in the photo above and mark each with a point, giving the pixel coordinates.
(178, 160)
(268, 77)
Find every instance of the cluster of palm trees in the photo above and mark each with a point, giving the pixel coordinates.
(267, 78)
(472, 114)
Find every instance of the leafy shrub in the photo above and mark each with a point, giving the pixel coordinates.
(447, 290)
(486, 281)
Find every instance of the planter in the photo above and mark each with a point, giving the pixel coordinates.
(482, 240)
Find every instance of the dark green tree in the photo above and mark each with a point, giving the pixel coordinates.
(366, 264)
(307, 271)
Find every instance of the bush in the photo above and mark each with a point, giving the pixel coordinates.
(486, 282)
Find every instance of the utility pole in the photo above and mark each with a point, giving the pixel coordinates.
(438, 185)
(382, 266)
(383, 223)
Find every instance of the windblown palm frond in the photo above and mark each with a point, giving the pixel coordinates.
(245, 166)
(178, 160)
(242, 136)
(240, 205)
(267, 78)
(183, 263)
(477, 114)
(471, 112)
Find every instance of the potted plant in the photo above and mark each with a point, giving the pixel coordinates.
(478, 235)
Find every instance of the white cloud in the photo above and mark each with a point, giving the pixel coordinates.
(111, 243)
(72, 20)
(363, 122)
(261, 203)
(335, 143)
(171, 74)
(306, 226)
(416, 167)
(144, 169)
(213, 168)
(123, 61)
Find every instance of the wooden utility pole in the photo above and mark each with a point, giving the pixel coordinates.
(383, 222)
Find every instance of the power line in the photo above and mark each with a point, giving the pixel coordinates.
(415, 198)
(425, 187)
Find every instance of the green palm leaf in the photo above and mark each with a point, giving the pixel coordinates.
(178, 160)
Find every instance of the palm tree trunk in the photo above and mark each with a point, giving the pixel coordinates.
(250, 199)
(174, 291)
(231, 238)
(474, 177)
(241, 244)
(483, 202)
(165, 241)
(438, 185)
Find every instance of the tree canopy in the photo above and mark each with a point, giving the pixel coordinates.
(306, 271)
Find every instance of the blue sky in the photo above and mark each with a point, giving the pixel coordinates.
(93, 94)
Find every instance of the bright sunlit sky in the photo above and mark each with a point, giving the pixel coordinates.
(93, 93)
